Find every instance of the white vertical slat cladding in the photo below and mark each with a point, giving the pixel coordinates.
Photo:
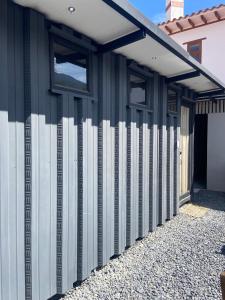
(208, 107)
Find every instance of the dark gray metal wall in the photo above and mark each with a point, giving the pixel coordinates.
(81, 177)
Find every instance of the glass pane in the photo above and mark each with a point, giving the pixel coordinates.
(195, 47)
(172, 101)
(70, 67)
(137, 90)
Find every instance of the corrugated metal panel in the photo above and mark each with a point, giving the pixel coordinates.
(12, 224)
(170, 167)
(145, 175)
(120, 155)
(163, 153)
(92, 174)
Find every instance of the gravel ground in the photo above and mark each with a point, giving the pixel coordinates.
(181, 260)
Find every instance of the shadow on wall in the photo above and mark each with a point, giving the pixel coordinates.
(210, 199)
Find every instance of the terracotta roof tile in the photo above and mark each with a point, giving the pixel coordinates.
(202, 11)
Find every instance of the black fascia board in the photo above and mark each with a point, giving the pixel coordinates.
(123, 41)
(183, 76)
(212, 93)
(157, 38)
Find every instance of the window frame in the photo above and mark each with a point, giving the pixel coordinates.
(148, 77)
(73, 46)
(195, 42)
(170, 112)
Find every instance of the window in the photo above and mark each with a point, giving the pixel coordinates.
(138, 87)
(172, 101)
(70, 67)
(194, 48)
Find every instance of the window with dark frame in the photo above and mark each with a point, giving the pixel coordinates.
(138, 89)
(70, 67)
(172, 101)
(194, 48)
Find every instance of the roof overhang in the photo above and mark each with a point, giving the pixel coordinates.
(109, 21)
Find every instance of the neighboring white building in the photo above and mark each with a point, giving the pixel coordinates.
(202, 35)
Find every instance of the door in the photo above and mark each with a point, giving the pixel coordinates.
(184, 150)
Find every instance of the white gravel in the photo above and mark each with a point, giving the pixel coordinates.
(181, 260)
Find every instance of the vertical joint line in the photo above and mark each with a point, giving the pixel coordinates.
(28, 158)
(128, 237)
(100, 189)
(140, 183)
(151, 175)
(80, 193)
(59, 196)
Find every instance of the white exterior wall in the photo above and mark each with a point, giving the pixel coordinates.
(213, 48)
(216, 152)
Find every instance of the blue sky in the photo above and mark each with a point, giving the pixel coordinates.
(155, 9)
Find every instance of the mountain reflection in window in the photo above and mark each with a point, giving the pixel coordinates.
(172, 101)
(70, 68)
(137, 90)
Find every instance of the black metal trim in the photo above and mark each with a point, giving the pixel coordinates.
(73, 39)
(141, 70)
(187, 99)
(183, 76)
(211, 93)
(73, 43)
(123, 41)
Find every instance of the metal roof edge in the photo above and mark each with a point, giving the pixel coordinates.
(124, 8)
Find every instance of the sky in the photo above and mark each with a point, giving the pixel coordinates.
(155, 9)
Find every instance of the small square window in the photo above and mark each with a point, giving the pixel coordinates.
(138, 86)
(172, 101)
(194, 48)
(70, 67)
